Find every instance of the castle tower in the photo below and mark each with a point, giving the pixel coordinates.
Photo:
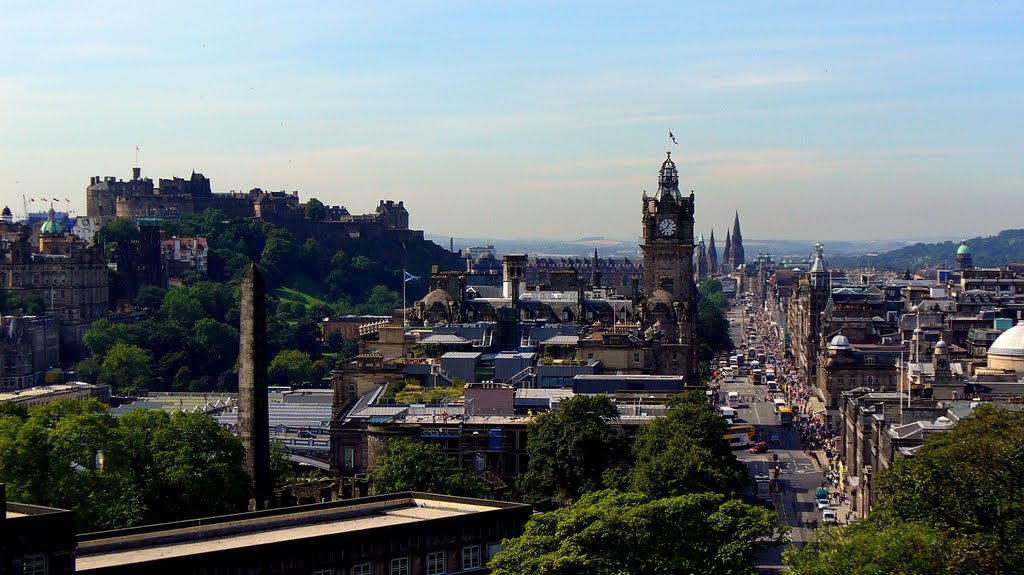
(712, 256)
(669, 285)
(736, 258)
(253, 411)
(964, 259)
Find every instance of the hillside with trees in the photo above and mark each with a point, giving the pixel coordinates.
(188, 339)
(1005, 248)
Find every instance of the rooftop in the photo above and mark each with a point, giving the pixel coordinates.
(137, 546)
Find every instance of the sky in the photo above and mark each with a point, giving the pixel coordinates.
(815, 120)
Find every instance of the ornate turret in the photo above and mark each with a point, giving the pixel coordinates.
(6, 217)
(819, 273)
(51, 226)
(964, 259)
(668, 180)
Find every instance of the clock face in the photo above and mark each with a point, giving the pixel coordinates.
(667, 227)
(942, 363)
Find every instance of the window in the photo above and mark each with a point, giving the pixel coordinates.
(436, 563)
(350, 457)
(400, 566)
(869, 380)
(34, 565)
(636, 358)
(351, 391)
(323, 572)
(471, 557)
(869, 360)
(362, 569)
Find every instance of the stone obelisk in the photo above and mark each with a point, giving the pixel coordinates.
(253, 411)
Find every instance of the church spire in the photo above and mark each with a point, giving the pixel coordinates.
(737, 258)
(727, 252)
(712, 255)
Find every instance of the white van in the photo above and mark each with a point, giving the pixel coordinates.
(733, 399)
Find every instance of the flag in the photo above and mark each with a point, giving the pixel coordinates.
(66, 200)
(136, 148)
(672, 137)
(31, 199)
(410, 278)
(56, 200)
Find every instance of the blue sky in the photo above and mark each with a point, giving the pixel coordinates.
(535, 119)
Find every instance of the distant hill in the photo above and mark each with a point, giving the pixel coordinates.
(992, 251)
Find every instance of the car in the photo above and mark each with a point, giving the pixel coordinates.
(759, 447)
(774, 439)
(824, 504)
(829, 516)
(307, 434)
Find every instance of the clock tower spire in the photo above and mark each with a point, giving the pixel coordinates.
(669, 286)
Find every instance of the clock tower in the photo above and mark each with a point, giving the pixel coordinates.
(669, 286)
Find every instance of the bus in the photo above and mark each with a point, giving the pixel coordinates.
(733, 399)
(740, 436)
(785, 415)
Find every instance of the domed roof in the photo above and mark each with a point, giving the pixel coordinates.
(941, 344)
(661, 296)
(487, 255)
(839, 342)
(1011, 342)
(963, 250)
(438, 295)
(51, 225)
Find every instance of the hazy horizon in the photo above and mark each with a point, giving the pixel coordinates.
(535, 120)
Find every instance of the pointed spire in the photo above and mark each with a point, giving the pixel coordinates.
(727, 252)
(736, 257)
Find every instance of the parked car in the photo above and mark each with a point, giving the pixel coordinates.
(307, 434)
(824, 503)
(759, 447)
(829, 516)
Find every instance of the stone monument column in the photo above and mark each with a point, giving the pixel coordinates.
(253, 410)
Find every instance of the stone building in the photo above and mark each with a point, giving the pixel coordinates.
(400, 533)
(670, 308)
(67, 274)
(807, 303)
(29, 346)
(843, 366)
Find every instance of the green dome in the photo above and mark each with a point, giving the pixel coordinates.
(963, 250)
(51, 225)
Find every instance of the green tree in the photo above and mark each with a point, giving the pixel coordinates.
(414, 466)
(958, 500)
(102, 335)
(612, 533)
(216, 343)
(569, 450)
(683, 452)
(296, 365)
(181, 307)
(315, 210)
(126, 367)
(27, 304)
(149, 297)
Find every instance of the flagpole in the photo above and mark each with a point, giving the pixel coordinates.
(405, 307)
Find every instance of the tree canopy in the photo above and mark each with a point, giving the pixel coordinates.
(144, 467)
(614, 533)
(956, 506)
(683, 452)
(415, 466)
(570, 449)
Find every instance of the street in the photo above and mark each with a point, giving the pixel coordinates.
(798, 474)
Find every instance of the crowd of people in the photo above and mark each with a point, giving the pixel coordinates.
(815, 434)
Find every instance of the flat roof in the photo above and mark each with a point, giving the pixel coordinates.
(137, 546)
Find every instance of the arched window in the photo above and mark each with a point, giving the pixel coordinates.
(351, 391)
(869, 380)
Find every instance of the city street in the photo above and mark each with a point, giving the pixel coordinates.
(798, 474)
